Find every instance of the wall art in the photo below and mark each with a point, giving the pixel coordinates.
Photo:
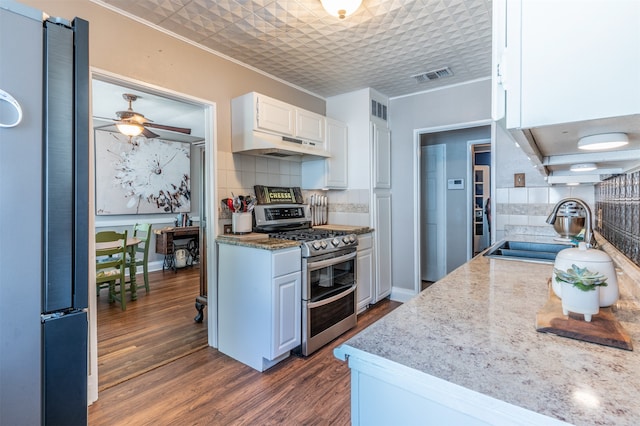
(141, 176)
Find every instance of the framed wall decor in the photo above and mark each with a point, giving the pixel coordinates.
(141, 176)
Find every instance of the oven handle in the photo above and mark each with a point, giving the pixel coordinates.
(312, 266)
(338, 296)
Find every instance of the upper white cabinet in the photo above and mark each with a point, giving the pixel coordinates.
(267, 127)
(332, 172)
(381, 156)
(309, 125)
(566, 61)
(274, 116)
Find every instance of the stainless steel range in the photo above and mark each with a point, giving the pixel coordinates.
(328, 264)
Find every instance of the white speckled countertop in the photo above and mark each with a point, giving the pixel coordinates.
(476, 328)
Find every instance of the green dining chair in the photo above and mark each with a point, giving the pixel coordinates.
(142, 231)
(111, 266)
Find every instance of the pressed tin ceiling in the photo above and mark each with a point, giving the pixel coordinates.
(382, 45)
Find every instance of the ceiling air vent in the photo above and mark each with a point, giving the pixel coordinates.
(433, 75)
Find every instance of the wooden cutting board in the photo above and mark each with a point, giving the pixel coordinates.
(604, 328)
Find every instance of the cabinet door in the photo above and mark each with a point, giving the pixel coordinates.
(337, 146)
(382, 234)
(365, 278)
(381, 157)
(287, 313)
(309, 126)
(578, 61)
(274, 116)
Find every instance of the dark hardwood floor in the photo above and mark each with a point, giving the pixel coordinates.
(154, 330)
(202, 386)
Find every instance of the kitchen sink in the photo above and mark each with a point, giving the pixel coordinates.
(526, 251)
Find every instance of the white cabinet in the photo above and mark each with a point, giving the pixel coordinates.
(332, 172)
(566, 61)
(273, 115)
(382, 225)
(381, 140)
(365, 274)
(259, 304)
(369, 151)
(309, 125)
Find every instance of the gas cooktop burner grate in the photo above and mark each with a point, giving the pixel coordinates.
(307, 234)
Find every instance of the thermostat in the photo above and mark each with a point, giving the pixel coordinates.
(455, 184)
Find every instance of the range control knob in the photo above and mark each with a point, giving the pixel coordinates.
(335, 242)
(345, 239)
(352, 238)
(316, 245)
(323, 243)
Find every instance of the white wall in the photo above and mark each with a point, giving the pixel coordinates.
(466, 103)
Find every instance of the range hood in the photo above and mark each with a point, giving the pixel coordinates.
(269, 145)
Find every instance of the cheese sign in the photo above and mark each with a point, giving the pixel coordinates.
(277, 195)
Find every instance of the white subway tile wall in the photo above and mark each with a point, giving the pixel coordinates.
(525, 210)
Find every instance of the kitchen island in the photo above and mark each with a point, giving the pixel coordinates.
(465, 351)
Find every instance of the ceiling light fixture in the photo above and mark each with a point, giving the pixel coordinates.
(129, 128)
(340, 8)
(603, 141)
(583, 167)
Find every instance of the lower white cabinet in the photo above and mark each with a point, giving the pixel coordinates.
(365, 271)
(259, 304)
(382, 243)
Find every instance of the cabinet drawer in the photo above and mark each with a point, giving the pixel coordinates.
(365, 241)
(286, 261)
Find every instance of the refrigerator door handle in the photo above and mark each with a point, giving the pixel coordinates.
(4, 96)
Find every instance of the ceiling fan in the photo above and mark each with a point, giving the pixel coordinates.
(133, 123)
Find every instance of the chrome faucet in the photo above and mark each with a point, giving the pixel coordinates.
(589, 239)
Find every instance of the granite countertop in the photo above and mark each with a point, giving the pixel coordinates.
(356, 229)
(254, 240)
(476, 328)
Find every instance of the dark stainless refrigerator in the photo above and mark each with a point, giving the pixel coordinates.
(44, 142)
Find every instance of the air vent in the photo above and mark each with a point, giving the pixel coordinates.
(433, 75)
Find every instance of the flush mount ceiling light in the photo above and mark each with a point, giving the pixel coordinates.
(584, 167)
(603, 141)
(129, 128)
(340, 8)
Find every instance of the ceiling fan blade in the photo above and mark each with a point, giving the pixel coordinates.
(170, 128)
(149, 134)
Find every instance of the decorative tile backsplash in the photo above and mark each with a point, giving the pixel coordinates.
(618, 213)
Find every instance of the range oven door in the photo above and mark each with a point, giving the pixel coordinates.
(329, 299)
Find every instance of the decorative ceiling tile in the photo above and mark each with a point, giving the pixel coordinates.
(380, 46)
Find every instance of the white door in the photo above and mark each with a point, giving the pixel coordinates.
(432, 213)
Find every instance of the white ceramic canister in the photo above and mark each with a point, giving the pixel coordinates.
(595, 261)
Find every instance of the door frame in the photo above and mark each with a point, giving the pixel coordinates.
(211, 149)
(416, 180)
(470, 189)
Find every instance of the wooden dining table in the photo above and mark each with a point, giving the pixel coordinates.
(132, 243)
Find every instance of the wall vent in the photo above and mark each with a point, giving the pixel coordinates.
(433, 75)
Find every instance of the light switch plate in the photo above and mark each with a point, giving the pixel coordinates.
(518, 180)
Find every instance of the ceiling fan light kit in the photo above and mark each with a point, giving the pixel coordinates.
(603, 141)
(128, 128)
(340, 8)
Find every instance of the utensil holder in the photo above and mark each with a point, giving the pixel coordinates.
(241, 223)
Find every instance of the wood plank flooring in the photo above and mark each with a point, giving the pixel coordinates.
(206, 387)
(154, 330)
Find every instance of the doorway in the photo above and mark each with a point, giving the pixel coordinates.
(170, 109)
(480, 175)
(451, 215)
